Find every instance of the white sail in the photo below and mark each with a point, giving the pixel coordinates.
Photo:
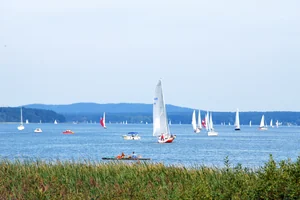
(207, 121)
(277, 123)
(194, 125)
(160, 121)
(55, 122)
(237, 120)
(250, 123)
(262, 121)
(199, 125)
(262, 125)
(271, 123)
(211, 131)
(21, 126)
(21, 117)
(211, 125)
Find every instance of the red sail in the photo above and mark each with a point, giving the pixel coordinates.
(102, 122)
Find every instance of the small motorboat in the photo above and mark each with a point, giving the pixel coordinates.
(68, 132)
(38, 130)
(131, 136)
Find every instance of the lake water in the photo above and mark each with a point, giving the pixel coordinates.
(249, 147)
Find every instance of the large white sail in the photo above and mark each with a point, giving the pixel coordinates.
(160, 121)
(237, 120)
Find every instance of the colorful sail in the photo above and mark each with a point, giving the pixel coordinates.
(102, 121)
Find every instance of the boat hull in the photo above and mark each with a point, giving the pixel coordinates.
(212, 133)
(128, 137)
(197, 130)
(68, 133)
(20, 128)
(107, 158)
(168, 140)
(262, 128)
(237, 129)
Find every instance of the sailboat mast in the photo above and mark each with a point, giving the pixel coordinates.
(21, 116)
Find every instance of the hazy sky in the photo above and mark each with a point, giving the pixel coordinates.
(217, 55)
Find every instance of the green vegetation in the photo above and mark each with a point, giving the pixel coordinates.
(9, 114)
(70, 180)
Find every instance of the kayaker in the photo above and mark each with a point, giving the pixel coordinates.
(133, 155)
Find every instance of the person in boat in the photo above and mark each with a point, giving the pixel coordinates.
(134, 156)
(122, 155)
(162, 137)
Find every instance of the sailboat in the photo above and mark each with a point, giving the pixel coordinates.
(27, 122)
(102, 121)
(237, 121)
(55, 122)
(194, 123)
(199, 124)
(250, 123)
(211, 131)
(271, 123)
(21, 126)
(262, 126)
(277, 123)
(206, 121)
(160, 121)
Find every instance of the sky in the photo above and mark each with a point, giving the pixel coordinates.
(213, 55)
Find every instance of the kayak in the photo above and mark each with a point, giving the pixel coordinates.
(112, 158)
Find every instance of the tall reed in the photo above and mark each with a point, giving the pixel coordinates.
(36, 179)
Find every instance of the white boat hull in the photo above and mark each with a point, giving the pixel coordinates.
(198, 130)
(263, 128)
(167, 140)
(21, 127)
(212, 133)
(129, 137)
(38, 131)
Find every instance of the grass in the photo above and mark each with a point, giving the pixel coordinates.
(37, 179)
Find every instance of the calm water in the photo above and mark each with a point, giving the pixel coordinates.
(250, 147)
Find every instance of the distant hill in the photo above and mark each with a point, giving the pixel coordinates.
(95, 108)
(137, 112)
(12, 114)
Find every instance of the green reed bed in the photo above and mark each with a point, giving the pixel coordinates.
(137, 180)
